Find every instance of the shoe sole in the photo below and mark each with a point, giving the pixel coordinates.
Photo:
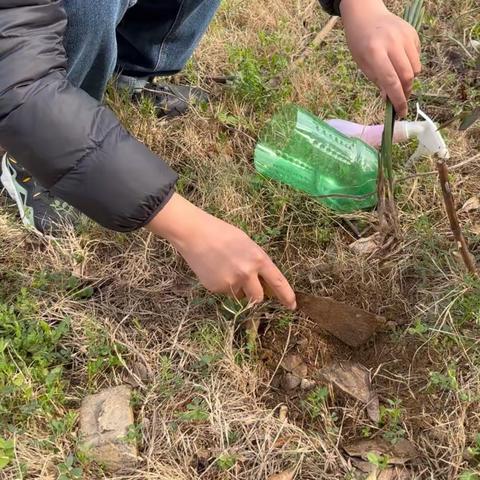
(15, 191)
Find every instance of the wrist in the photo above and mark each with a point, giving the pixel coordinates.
(178, 221)
(355, 7)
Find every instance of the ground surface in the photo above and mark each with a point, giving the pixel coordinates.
(99, 309)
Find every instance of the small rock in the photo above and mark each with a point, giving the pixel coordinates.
(294, 364)
(290, 381)
(307, 384)
(282, 416)
(105, 419)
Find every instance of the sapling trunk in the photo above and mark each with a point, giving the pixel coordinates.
(414, 15)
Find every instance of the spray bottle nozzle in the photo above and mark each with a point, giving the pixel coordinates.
(430, 140)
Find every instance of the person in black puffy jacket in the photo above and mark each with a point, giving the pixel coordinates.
(56, 57)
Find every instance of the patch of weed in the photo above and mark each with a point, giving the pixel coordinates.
(63, 425)
(48, 281)
(467, 308)
(314, 404)
(444, 381)
(226, 461)
(196, 412)
(474, 450)
(469, 475)
(6, 452)
(31, 363)
(285, 321)
(103, 353)
(391, 421)
(168, 380)
(379, 461)
(68, 469)
(254, 73)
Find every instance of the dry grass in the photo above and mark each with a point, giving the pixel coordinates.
(147, 310)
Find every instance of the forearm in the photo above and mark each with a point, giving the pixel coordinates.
(71, 144)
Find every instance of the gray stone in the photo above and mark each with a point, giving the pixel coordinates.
(105, 419)
(290, 381)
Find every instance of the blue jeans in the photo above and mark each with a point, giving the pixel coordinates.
(137, 39)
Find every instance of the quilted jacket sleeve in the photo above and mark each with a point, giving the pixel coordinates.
(68, 141)
(331, 6)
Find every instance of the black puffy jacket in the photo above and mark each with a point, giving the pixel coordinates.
(69, 142)
(332, 6)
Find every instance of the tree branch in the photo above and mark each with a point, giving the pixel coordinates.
(453, 218)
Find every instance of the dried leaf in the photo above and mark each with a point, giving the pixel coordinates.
(282, 416)
(354, 379)
(364, 467)
(398, 454)
(349, 324)
(286, 475)
(281, 442)
(290, 362)
(470, 119)
(471, 204)
(366, 246)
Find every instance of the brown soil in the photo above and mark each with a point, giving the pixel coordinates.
(390, 361)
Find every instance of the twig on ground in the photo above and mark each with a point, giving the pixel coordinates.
(319, 38)
(453, 218)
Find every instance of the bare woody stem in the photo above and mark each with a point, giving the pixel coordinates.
(453, 218)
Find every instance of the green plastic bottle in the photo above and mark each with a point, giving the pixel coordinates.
(299, 149)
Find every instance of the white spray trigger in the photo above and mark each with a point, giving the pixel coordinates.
(430, 141)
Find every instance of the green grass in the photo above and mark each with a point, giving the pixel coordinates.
(32, 361)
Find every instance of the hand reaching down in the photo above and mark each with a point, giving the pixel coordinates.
(223, 257)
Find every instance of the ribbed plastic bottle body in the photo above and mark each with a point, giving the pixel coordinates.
(306, 153)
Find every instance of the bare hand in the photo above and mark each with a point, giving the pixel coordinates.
(223, 257)
(385, 47)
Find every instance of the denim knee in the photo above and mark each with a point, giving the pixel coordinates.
(90, 41)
